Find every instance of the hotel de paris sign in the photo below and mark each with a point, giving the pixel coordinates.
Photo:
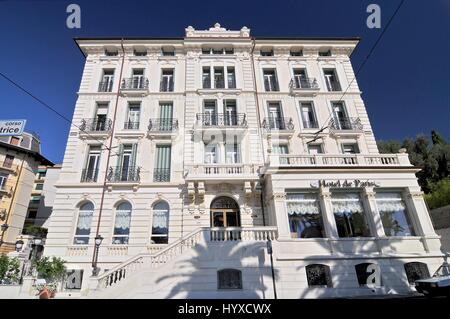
(356, 183)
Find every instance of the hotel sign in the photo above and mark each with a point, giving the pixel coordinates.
(356, 183)
(12, 127)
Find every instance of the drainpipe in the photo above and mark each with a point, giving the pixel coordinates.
(109, 147)
(259, 126)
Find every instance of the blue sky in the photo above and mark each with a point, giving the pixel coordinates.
(405, 84)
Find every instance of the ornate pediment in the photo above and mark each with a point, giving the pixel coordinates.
(217, 31)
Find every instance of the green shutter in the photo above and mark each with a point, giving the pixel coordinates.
(134, 154)
(119, 156)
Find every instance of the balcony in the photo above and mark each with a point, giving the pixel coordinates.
(281, 126)
(135, 86)
(105, 86)
(161, 175)
(340, 160)
(233, 120)
(303, 86)
(131, 125)
(348, 124)
(162, 127)
(222, 172)
(89, 175)
(95, 126)
(118, 174)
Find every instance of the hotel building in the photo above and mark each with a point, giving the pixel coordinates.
(190, 156)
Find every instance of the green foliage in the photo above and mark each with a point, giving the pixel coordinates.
(9, 269)
(433, 158)
(440, 195)
(50, 269)
(34, 230)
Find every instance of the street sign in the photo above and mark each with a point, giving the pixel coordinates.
(12, 127)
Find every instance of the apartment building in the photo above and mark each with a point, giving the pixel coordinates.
(195, 154)
(20, 157)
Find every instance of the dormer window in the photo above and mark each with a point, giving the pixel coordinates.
(267, 52)
(296, 52)
(217, 51)
(325, 53)
(111, 52)
(168, 51)
(229, 51)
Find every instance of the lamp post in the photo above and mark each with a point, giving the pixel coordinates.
(270, 252)
(4, 227)
(98, 242)
(19, 245)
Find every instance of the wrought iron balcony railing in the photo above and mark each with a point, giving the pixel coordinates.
(134, 83)
(131, 125)
(105, 86)
(161, 175)
(231, 119)
(348, 123)
(124, 174)
(278, 123)
(95, 125)
(89, 175)
(301, 83)
(162, 125)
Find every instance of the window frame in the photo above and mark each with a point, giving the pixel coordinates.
(225, 271)
(74, 237)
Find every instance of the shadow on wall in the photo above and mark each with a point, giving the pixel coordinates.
(196, 275)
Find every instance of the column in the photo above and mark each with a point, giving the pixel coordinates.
(326, 208)
(370, 206)
(279, 200)
(418, 208)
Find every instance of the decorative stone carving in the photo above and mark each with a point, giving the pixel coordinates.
(201, 192)
(279, 196)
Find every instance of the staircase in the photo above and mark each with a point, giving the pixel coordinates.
(130, 273)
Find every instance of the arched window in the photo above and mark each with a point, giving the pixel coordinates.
(229, 279)
(160, 228)
(318, 275)
(83, 229)
(122, 224)
(363, 272)
(415, 271)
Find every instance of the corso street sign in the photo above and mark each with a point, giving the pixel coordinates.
(12, 127)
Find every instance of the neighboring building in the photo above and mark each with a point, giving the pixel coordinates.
(20, 157)
(441, 222)
(42, 196)
(220, 142)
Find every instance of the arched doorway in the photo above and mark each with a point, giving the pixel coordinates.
(225, 212)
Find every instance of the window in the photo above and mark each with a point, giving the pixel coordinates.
(230, 112)
(133, 116)
(296, 52)
(394, 215)
(167, 80)
(3, 179)
(318, 275)
(138, 81)
(331, 80)
(229, 51)
(168, 51)
(166, 123)
(101, 117)
(211, 153)
(83, 229)
(162, 164)
(206, 50)
(232, 153)
(231, 77)
(229, 279)
(126, 163)
(267, 52)
(275, 118)
(160, 223)
(281, 149)
(90, 173)
(122, 224)
(325, 53)
(8, 162)
(305, 220)
(350, 148)
(39, 187)
(217, 51)
(14, 140)
(308, 116)
(107, 81)
(209, 113)
(111, 52)
(270, 80)
(363, 274)
(415, 271)
(140, 52)
(219, 82)
(315, 149)
(41, 175)
(32, 214)
(35, 200)
(206, 77)
(339, 116)
(349, 215)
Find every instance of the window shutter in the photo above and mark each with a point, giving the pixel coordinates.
(134, 155)
(120, 155)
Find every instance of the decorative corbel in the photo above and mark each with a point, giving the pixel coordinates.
(201, 192)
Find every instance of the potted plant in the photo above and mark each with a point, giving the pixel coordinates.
(52, 271)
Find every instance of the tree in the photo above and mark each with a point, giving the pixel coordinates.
(440, 196)
(9, 269)
(437, 139)
(51, 270)
(389, 147)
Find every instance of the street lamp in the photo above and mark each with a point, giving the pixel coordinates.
(98, 242)
(270, 252)
(19, 245)
(37, 241)
(4, 227)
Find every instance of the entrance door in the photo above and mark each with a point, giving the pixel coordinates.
(225, 218)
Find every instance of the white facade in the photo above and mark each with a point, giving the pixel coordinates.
(203, 130)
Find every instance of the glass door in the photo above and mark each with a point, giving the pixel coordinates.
(230, 113)
(300, 79)
(339, 115)
(210, 113)
(165, 116)
(126, 162)
(225, 218)
(107, 80)
(138, 79)
(92, 164)
(275, 116)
